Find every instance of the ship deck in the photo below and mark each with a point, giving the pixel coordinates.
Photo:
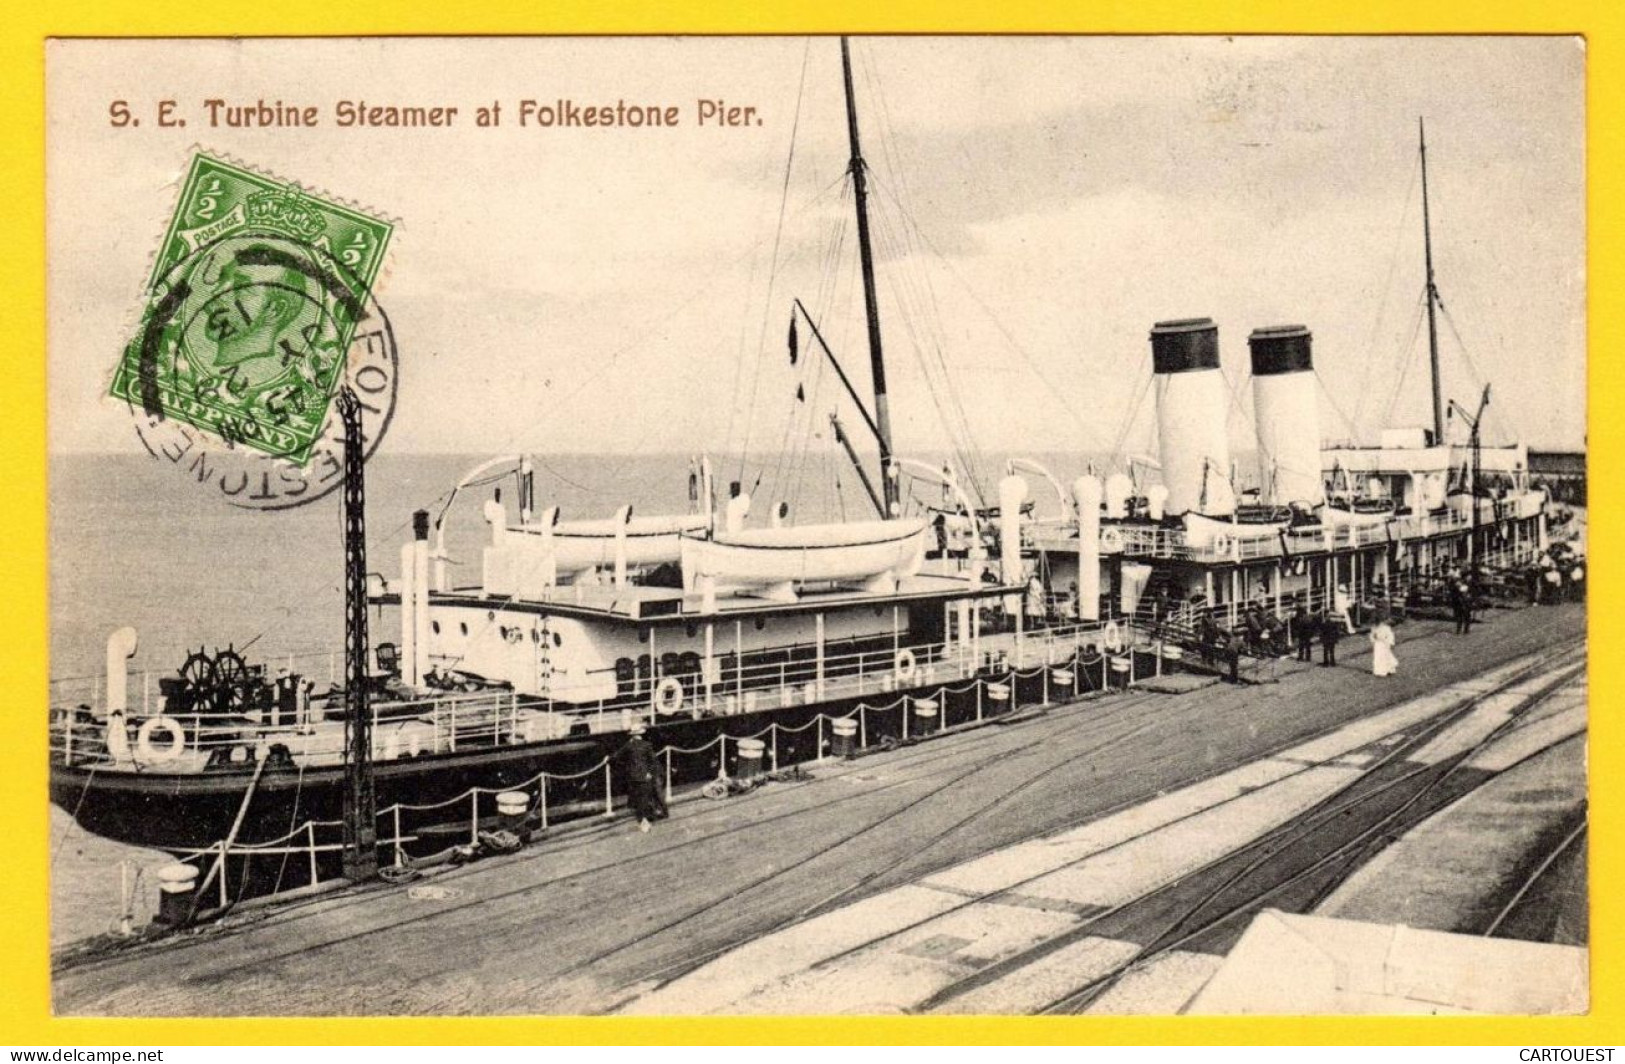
(662, 605)
(593, 918)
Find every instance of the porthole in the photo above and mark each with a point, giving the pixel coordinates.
(643, 636)
(462, 626)
(434, 626)
(558, 640)
(692, 631)
(761, 623)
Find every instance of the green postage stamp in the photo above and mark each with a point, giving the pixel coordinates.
(251, 307)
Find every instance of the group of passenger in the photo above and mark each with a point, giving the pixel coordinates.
(1558, 575)
(1262, 634)
(1331, 625)
(1328, 626)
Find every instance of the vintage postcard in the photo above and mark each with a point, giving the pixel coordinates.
(870, 525)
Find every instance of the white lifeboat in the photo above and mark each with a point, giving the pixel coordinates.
(1203, 532)
(579, 546)
(1357, 512)
(859, 551)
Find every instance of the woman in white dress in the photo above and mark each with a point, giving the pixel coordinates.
(1342, 605)
(1383, 662)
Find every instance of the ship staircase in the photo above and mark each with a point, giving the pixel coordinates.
(1203, 640)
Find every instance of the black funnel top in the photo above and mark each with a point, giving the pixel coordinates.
(1280, 349)
(1184, 345)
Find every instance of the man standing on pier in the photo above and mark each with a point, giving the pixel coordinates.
(1303, 631)
(642, 789)
(1461, 606)
(1331, 630)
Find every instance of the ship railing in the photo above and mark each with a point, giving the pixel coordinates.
(1173, 543)
(144, 690)
(797, 681)
(448, 722)
(1367, 596)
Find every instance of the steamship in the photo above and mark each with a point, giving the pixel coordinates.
(713, 624)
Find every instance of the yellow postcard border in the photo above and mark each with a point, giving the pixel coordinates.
(25, 1014)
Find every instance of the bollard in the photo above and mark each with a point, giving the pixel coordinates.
(845, 733)
(177, 885)
(750, 759)
(1061, 678)
(126, 918)
(925, 714)
(998, 694)
(511, 809)
(1120, 671)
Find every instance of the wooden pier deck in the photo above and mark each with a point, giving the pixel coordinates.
(586, 919)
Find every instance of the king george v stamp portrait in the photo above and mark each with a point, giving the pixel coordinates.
(254, 297)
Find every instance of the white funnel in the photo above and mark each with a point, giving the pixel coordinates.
(1287, 415)
(1191, 403)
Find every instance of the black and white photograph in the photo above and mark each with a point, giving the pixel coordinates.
(835, 525)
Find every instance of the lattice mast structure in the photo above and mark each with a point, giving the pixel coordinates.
(360, 793)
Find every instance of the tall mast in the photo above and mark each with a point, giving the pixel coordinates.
(1432, 292)
(871, 304)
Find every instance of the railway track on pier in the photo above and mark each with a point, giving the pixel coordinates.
(1521, 907)
(1369, 791)
(1292, 867)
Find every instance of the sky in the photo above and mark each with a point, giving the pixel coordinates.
(1038, 204)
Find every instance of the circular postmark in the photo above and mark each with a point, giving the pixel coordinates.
(243, 347)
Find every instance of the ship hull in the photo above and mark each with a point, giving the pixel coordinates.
(186, 812)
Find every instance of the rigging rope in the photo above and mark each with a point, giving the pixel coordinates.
(1130, 417)
(1387, 289)
(1406, 358)
(1060, 394)
(767, 310)
(949, 412)
(1479, 380)
(830, 279)
(1332, 401)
